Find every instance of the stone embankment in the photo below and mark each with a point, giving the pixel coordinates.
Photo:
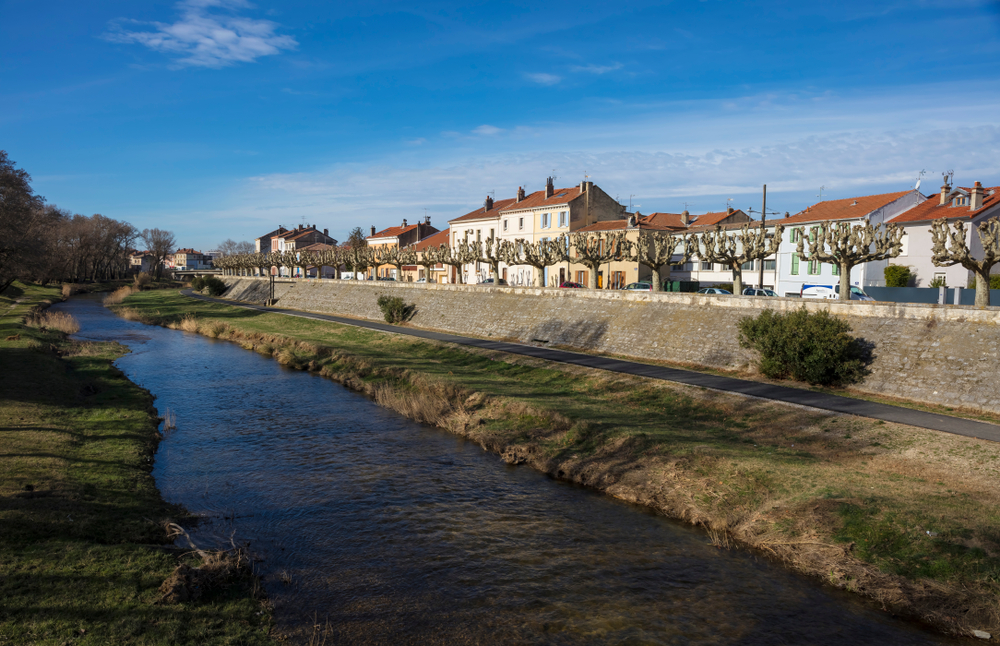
(939, 354)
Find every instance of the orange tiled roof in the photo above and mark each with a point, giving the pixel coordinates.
(673, 220)
(846, 209)
(932, 209)
(274, 233)
(480, 214)
(622, 225)
(392, 232)
(439, 238)
(538, 199)
(316, 246)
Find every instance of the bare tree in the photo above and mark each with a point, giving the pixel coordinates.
(159, 244)
(593, 250)
(656, 250)
(950, 248)
(493, 251)
(393, 255)
(846, 246)
(24, 224)
(457, 257)
(750, 243)
(539, 255)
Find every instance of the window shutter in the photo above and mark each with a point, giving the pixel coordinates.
(795, 265)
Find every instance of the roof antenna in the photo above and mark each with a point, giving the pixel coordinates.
(920, 176)
(821, 189)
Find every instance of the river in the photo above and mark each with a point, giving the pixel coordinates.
(384, 531)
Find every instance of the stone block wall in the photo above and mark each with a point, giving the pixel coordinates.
(948, 355)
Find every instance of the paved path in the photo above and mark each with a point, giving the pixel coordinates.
(824, 401)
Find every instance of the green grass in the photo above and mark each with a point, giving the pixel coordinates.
(80, 515)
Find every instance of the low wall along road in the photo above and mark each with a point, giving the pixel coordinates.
(945, 355)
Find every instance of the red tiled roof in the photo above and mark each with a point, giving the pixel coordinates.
(392, 232)
(846, 209)
(538, 199)
(932, 209)
(316, 246)
(480, 214)
(439, 238)
(673, 220)
(621, 225)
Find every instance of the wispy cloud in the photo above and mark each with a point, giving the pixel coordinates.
(543, 79)
(597, 69)
(206, 38)
(487, 130)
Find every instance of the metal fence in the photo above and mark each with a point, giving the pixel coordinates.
(928, 295)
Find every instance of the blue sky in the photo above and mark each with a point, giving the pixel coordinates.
(224, 118)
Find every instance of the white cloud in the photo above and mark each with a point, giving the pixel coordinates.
(204, 39)
(597, 69)
(543, 79)
(487, 130)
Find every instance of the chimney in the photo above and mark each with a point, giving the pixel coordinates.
(326, 232)
(729, 210)
(549, 190)
(301, 226)
(488, 203)
(976, 197)
(685, 217)
(373, 229)
(520, 193)
(787, 215)
(427, 220)
(404, 223)
(945, 189)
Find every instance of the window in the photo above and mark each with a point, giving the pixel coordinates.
(688, 266)
(479, 235)
(505, 225)
(770, 265)
(581, 277)
(795, 264)
(520, 224)
(617, 279)
(794, 235)
(706, 266)
(492, 234)
(562, 218)
(961, 200)
(814, 268)
(545, 221)
(747, 266)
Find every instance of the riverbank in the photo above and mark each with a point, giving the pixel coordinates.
(903, 516)
(84, 549)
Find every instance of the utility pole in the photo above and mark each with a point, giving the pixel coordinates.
(763, 219)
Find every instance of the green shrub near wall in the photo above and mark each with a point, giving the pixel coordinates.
(815, 348)
(897, 276)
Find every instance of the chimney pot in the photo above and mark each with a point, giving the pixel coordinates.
(373, 229)
(404, 222)
(520, 193)
(787, 215)
(729, 210)
(427, 220)
(685, 217)
(945, 189)
(326, 232)
(976, 197)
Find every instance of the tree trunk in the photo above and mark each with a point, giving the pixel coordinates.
(983, 288)
(540, 277)
(845, 281)
(592, 278)
(737, 280)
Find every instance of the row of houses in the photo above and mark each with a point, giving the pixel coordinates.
(586, 208)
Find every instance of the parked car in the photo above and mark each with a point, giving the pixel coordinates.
(386, 278)
(421, 280)
(639, 287)
(832, 292)
(714, 290)
(756, 291)
(568, 284)
(494, 281)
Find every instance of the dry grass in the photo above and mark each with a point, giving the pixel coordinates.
(133, 314)
(142, 279)
(119, 295)
(61, 321)
(188, 324)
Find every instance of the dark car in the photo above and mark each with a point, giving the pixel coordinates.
(568, 284)
(494, 281)
(386, 278)
(642, 287)
(756, 291)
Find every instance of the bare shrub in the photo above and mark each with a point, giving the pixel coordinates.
(68, 289)
(218, 568)
(215, 329)
(142, 279)
(132, 314)
(116, 297)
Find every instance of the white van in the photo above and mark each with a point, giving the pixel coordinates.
(832, 292)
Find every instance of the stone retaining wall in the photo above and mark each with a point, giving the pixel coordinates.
(931, 353)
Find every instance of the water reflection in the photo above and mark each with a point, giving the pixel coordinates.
(397, 533)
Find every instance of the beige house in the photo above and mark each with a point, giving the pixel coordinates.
(438, 273)
(401, 236)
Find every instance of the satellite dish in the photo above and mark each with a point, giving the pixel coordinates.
(917, 187)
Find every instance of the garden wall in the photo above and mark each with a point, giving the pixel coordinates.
(941, 354)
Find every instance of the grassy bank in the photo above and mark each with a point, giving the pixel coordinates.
(84, 549)
(904, 516)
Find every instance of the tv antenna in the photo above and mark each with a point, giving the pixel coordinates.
(920, 176)
(728, 203)
(948, 177)
(821, 189)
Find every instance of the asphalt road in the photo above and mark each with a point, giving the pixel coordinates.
(824, 401)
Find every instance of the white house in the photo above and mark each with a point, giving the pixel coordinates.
(878, 209)
(973, 205)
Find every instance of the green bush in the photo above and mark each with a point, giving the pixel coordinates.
(994, 282)
(198, 283)
(394, 309)
(214, 285)
(815, 348)
(938, 281)
(897, 276)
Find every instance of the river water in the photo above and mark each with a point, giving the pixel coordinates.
(383, 531)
